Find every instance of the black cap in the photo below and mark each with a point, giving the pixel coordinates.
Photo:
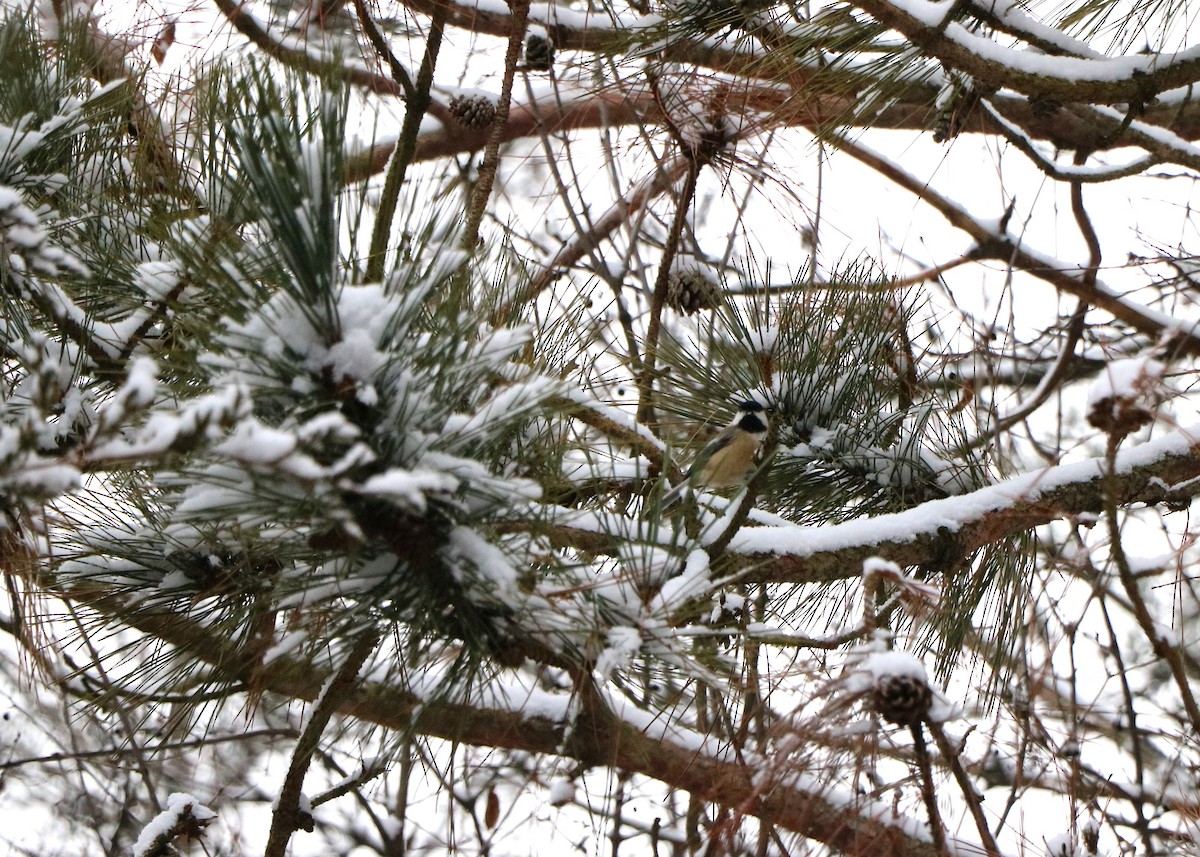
(750, 406)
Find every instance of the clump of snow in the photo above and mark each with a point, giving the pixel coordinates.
(878, 667)
(1130, 378)
(408, 488)
(692, 583)
(156, 279)
(471, 555)
(623, 644)
(25, 246)
(880, 664)
(184, 816)
(917, 596)
(726, 604)
(1063, 845)
(562, 792)
(877, 565)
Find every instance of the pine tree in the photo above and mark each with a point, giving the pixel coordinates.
(336, 438)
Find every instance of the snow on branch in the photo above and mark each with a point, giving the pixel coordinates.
(184, 817)
(601, 731)
(994, 242)
(1115, 80)
(1163, 470)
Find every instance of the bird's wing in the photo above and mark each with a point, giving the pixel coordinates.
(709, 451)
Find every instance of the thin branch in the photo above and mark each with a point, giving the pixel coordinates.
(950, 757)
(928, 794)
(491, 154)
(648, 368)
(286, 818)
(1169, 654)
(399, 72)
(996, 243)
(418, 102)
(1017, 137)
(166, 746)
(662, 179)
(298, 57)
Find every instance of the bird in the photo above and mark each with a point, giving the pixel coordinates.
(729, 457)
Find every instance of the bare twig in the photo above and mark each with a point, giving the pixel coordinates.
(418, 102)
(928, 792)
(399, 72)
(491, 153)
(286, 818)
(950, 757)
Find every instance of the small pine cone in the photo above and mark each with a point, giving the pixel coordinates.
(689, 292)
(902, 699)
(1123, 397)
(539, 53)
(473, 111)
(943, 126)
(1118, 415)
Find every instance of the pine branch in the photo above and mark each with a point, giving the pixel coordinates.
(1136, 81)
(287, 817)
(1162, 471)
(595, 737)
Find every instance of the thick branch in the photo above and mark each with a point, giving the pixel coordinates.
(912, 110)
(778, 794)
(1133, 80)
(1164, 470)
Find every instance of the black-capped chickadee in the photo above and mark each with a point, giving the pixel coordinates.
(729, 457)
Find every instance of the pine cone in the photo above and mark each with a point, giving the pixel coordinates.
(689, 291)
(943, 126)
(539, 53)
(1122, 399)
(902, 699)
(1118, 415)
(473, 111)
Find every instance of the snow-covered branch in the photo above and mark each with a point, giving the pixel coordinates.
(941, 532)
(1134, 80)
(601, 732)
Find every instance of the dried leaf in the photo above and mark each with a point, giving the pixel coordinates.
(166, 38)
(492, 814)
